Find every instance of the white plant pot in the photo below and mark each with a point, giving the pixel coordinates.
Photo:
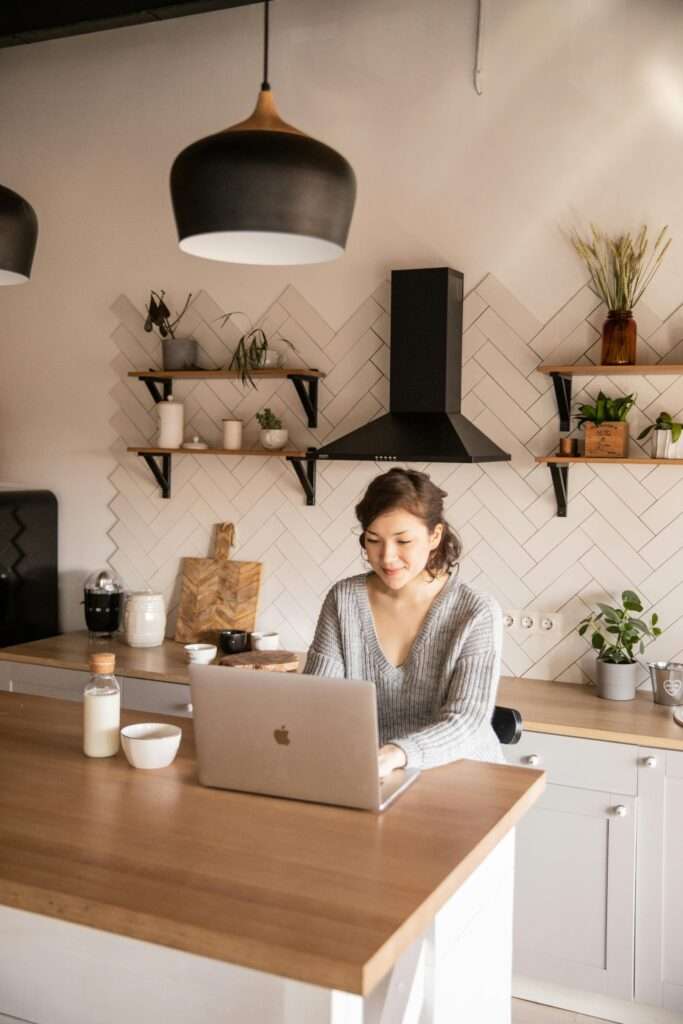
(616, 682)
(664, 448)
(274, 438)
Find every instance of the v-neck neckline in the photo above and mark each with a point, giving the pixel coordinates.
(370, 629)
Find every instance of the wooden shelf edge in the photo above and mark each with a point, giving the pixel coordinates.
(557, 459)
(282, 373)
(636, 370)
(282, 452)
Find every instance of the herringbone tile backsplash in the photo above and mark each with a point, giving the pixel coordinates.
(623, 529)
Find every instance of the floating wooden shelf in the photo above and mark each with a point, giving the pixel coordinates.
(303, 462)
(305, 381)
(560, 459)
(635, 370)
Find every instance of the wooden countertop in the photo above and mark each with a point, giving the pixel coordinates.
(165, 664)
(321, 894)
(570, 709)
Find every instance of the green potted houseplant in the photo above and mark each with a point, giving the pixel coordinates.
(666, 437)
(605, 426)
(176, 353)
(620, 270)
(273, 434)
(615, 634)
(254, 351)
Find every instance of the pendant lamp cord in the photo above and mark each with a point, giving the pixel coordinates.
(478, 48)
(266, 11)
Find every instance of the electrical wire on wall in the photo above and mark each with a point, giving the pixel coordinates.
(479, 46)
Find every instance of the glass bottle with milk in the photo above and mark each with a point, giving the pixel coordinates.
(101, 708)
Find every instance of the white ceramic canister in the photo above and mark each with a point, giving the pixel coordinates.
(232, 434)
(170, 423)
(144, 619)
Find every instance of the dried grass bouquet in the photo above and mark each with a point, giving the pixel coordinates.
(620, 268)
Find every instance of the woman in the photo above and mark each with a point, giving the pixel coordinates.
(430, 643)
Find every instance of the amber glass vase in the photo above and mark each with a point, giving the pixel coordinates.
(619, 339)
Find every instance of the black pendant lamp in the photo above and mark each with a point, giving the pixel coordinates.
(18, 236)
(262, 192)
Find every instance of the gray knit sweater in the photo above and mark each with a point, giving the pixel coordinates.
(437, 705)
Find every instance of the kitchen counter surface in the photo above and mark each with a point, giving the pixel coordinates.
(319, 894)
(570, 709)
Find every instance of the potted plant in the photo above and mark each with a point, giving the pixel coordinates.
(620, 270)
(605, 426)
(272, 435)
(666, 439)
(176, 353)
(254, 351)
(616, 633)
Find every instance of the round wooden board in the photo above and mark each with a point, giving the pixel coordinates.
(270, 661)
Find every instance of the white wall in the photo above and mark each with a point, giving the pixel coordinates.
(581, 119)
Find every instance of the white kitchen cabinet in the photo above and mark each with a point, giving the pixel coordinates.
(659, 894)
(148, 695)
(574, 890)
(41, 680)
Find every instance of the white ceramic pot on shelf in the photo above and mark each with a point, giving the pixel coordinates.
(170, 423)
(144, 619)
(664, 448)
(232, 434)
(274, 438)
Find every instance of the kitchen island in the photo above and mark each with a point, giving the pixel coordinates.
(142, 896)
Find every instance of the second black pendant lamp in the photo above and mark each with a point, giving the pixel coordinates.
(18, 236)
(262, 192)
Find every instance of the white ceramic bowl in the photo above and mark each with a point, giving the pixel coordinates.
(200, 654)
(265, 641)
(150, 744)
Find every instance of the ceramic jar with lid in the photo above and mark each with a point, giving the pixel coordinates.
(144, 619)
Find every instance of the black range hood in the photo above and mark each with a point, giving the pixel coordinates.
(424, 422)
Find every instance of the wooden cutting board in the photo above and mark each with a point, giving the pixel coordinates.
(217, 593)
(263, 661)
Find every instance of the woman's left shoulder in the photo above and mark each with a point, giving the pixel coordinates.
(470, 603)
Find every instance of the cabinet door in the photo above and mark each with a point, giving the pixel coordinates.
(20, 677)
(659, 920)
(574, 891)
(149, 695)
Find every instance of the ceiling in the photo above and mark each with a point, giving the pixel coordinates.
(30, 21)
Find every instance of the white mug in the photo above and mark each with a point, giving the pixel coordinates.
(232, 434)
(265, 641)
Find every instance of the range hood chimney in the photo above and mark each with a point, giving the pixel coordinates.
(424, 422)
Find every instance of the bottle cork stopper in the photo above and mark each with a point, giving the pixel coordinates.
(102, 664)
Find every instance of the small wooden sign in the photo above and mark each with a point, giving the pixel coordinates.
(608, 441)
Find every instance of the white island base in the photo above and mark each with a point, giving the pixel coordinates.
(459, 972)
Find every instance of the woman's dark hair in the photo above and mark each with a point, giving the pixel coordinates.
(414, 492)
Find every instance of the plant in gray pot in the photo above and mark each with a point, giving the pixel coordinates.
(616, 634)
(176, 353)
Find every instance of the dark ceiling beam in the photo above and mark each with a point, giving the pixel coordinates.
(33, 21)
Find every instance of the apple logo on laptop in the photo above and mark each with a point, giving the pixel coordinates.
(281, 736)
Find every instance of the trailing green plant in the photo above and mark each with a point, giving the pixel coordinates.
(251, 350)
(616, 633)
(267, 420)
(620, 268)
(159, 315)
(664, 422)
(606, 410)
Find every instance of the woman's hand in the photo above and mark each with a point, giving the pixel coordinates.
(390, 758)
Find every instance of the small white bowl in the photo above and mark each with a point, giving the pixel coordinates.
(150, 744)
(265, 641)
(200, 654)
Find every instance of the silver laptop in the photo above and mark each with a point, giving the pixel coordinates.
(290, 735)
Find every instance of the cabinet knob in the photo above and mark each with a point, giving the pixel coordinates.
(650, 762)
(187, 707)
(533, 759)
(620, 811)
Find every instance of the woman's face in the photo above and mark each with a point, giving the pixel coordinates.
(398, 545)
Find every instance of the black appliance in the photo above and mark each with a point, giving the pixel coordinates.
(29, 605)
(424, 422)
(103, 602)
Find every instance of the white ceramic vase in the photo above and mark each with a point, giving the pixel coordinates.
(664, 448)
(274, 438)
(232, 434)
(616, 682)
(170, 423)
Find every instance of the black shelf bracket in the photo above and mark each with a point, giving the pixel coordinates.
(307, 390)
(162, 473)
(563, 396)
(151, 385)
(560, 474)
(305, 468)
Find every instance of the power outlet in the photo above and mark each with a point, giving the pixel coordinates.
(532, 622)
